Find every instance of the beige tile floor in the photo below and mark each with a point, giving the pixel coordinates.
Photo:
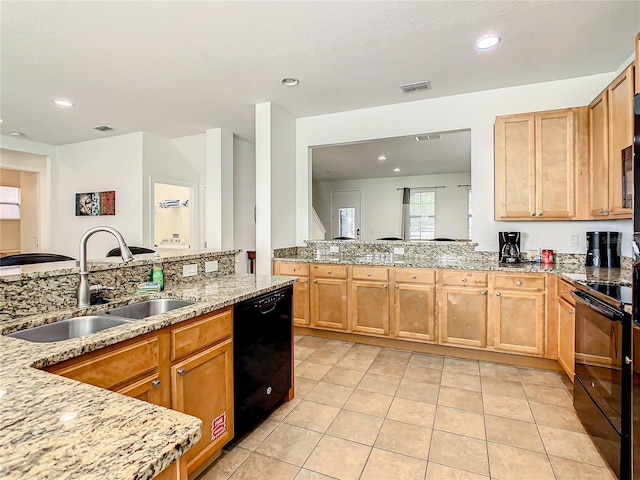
(370, 413)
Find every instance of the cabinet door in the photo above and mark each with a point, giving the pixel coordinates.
(555, 168)
(414, 312)
(149, 389)
(518, 321)
(566, 336)
(515, 167)
(301, 302)
(463, 316)
(599, 156)
(329, 303)
(620, 136)
(369, 307)
(202, 386)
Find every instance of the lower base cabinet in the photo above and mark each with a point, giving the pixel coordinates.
(518, 321)
(463, 316)
(414, 312)
(202, 386)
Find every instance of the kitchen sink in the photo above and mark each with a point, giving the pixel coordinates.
(69, 328)
(148, 308)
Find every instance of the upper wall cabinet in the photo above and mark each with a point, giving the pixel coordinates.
(638, 63)
(540, 164)
(610, 131)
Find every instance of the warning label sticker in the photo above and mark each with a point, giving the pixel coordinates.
(218, 425)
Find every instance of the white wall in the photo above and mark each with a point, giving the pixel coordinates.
(113, 163)
(475, 111)
(244, 200)
(381, 214)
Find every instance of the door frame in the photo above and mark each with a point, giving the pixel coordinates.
(333, 234)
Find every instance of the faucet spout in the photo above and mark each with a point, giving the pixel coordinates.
(84, 289)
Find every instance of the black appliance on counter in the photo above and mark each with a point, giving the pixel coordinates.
(603, 249)
(509, 245)
(262, 356)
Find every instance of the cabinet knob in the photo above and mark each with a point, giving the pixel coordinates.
(463, 280)
(414, 276)
(607, 212)
(329, 272)
(384, 286)
(539, 214)
(563, 290)
(498, 294)
(181, 372)
(293, 269)
(305, 280)
(397, 286)
(315, 281)
(627, 360)
(156, 384)
(368, 274)
(484, 294)
(519, 283)
(533, 214)
(572, 312)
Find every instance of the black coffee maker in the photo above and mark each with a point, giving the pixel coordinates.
(603, 249)
(509, 243)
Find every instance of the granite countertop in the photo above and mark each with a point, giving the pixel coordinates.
(54, 427)
(570, 271)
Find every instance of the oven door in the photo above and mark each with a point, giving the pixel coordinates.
(597, 395)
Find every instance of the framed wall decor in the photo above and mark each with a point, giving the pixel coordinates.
(96, 203)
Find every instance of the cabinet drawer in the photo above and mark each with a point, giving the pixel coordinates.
(462, 278)
(564, 292)
(414, 275)
(117, 366)
(204, 331)
(329, 271)
(369, 273)
(517, 282)
(293, 268)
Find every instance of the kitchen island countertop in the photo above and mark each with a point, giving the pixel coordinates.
(54, 427)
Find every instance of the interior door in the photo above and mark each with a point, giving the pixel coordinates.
(345, 214)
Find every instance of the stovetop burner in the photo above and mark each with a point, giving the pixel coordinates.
(617, 293)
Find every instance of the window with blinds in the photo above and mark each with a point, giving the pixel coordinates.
(9, 203)
(422, 214)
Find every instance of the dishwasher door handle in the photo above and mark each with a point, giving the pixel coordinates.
(269, 309)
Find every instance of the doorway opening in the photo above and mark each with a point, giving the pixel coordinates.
(345, 214)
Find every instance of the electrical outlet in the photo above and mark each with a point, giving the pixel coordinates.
(574, 240)
(334, 249)
(190, 270)
(211, 266)
(398, 250)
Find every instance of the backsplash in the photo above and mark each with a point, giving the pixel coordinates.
(30, 294)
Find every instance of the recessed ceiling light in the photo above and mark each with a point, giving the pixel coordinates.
(290, 82)
(485, 43)
(396, 169)
(16, 134)
(382, 157)
(63, 103)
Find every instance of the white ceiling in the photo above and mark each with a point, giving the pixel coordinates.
(177, 68)
(451, 153)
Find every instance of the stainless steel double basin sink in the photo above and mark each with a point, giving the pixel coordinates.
(80, 326)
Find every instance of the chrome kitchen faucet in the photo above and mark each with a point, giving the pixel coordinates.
(84, 289)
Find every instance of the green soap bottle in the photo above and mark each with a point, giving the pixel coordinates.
(157, 274)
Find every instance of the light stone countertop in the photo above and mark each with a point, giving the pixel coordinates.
(111, 436)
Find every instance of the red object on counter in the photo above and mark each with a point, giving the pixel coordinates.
(546, 256)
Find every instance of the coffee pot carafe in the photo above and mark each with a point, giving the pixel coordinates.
(509, 243)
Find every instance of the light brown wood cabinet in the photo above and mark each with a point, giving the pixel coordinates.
(566, 327)
(300, 289)
(413, 310)
(540, 160)
(462, 308)
(638, 63)
(517, 312)
(329, 296)
(369, 300)
(610, 131)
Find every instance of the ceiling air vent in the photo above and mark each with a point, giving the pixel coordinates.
(427, 138)
(414, 87)
(103, 128)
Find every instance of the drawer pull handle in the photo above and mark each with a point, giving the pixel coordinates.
(368, 274)
(414, 276)
(498, 294)
(181, 372)
(627, 360)
(463, 279)
(156, 384)
(519, 283)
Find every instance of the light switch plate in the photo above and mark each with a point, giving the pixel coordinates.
(211, 266)
(190, 270)
(334, 249)
(398, 250)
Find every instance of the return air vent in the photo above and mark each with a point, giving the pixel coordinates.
(103, 128)
(427, 138)
(414, 87)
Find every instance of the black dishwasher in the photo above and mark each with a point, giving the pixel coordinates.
(262, 342)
